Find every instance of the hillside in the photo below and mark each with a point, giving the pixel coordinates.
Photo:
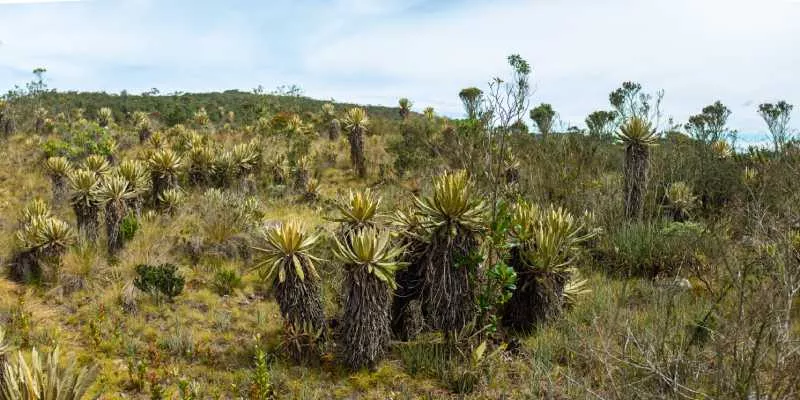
(233, 245)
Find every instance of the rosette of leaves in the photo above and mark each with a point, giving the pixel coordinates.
(41, 244)
(544, 245)
(83, 188)
(681, 201)
(57, 169)
(357, 210)
(164, 165)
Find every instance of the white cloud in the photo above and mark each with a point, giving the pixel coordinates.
(737, 51)
(741, 52)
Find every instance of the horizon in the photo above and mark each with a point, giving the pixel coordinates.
(359, 51)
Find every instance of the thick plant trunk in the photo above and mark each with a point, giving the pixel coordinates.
(24, 267)
(334, 129)
(539, 298)
(9, 127)
(114, 215)
(59, 188)
(356, 138)
(364, 332)
(448, 295)
(300, 301)
(86, 216)
(637, 159)
(407, 320)
(301, 178)
(36, 264)
(144, 134)
(200, 176)
(161, 183)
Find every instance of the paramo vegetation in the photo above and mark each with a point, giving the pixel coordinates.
(262, 246)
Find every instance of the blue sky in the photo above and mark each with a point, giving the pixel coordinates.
(741, 52)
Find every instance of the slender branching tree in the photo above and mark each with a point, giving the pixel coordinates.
(777, 117)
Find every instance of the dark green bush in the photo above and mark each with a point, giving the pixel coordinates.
(159, 280)
(129, 227)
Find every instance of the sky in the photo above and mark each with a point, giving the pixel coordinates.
(742, 52)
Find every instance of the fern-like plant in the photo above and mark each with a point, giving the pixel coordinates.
(288, 267)
(454, 217)
(57, 169)
(83, 185)
(638, 135)
(356, 123)
(164, 165)
(370, 262)
(114, 193)
(544, 244)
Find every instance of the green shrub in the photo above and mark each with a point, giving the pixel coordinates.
(159, 280)
(226, 281)
(650, 249)
(77, 142)
(129, 227)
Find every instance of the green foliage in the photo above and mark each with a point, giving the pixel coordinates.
(777, 117)
(159, 280)
(454, 203)
(460, 370)
(261, 387)
(287, 246)
(129, 227)
(226, 282)
(648, 249)
(80, 140)
(543, 116)
(418, 143)
(372, 251)
(710, 125)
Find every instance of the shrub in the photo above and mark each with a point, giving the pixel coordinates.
(651, 250)
(226, 281)
(129, 227)
(159, 280)
(79, 141)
